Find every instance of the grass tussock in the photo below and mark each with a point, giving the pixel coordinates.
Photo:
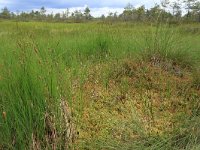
(164, 46)
(35, 114)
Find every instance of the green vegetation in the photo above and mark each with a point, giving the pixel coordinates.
(99, 86)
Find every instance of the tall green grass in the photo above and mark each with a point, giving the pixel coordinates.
(32, 90)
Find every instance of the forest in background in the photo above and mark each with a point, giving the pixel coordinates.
(177, 11)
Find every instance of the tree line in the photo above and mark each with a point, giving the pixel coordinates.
(176, 11)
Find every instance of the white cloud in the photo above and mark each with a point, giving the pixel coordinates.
(4, 3)
(61, 4)
(98, 7)
(96, 12)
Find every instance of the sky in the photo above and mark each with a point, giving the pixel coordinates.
(98, 7)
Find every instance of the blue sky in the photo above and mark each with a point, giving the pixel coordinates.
(97, 6)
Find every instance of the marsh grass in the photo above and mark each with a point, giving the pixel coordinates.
(86, 78)
(164, 44)
(31, 95)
